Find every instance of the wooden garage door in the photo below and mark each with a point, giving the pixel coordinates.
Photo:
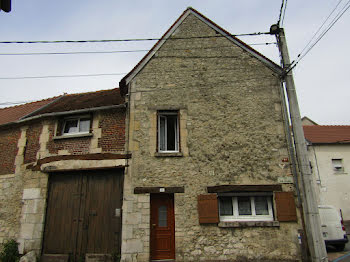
(81, 213)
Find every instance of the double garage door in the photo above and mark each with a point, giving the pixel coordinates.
(84, 213)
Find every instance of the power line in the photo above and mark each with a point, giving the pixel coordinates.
(280, 15)
(284, 13)
(125, 40)
(59, 76)
(113, 51)
(332, 23)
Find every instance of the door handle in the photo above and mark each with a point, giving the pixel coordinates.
(153, 225)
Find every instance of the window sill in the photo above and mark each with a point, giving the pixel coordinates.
(73, 136)
(249, 224)
(340, 173)
(168, 154)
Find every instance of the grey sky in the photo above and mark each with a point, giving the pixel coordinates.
(320, 77)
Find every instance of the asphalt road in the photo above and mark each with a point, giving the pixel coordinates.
(343, 256)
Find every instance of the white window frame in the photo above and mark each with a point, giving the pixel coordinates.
(337, 164)
(253, 216)
(85, 117)
(164, 114)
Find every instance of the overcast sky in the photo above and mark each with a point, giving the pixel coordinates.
(321, 77)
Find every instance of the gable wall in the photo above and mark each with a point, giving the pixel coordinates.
(231, 132)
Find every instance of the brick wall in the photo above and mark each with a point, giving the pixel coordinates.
(32, 145)
(8, 152)
(75, 146)
(112, 124)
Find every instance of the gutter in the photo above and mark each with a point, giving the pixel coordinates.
(79, 111)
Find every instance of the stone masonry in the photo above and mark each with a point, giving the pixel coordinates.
(231, 133)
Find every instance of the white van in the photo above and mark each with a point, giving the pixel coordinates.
(333, 229)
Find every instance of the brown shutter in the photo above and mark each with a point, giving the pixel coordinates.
(208, 209)
(285, 206)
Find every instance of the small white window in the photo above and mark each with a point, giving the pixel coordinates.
(168, 131)
(76, 125)
(246, 208)
(338, 165)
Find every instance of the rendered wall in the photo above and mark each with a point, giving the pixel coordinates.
(231, 132)
(332, 187)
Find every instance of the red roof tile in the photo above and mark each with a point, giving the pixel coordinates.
(327, 134)
(83, 101)
(12, 114)
(62, 104)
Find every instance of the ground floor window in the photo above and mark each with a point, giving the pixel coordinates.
(243, 207)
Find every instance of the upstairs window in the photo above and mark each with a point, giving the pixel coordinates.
(244, 207)
(338, 165)
(77, 125)
(168, 131)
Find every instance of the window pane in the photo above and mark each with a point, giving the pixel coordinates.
(162, 216)
(84, 125)
(71, 126)
(226, 206)
(162, 122)
(171, 132)
(261, 205)
(244, 207)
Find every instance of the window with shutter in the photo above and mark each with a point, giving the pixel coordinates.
(208, 209)
(285, 206)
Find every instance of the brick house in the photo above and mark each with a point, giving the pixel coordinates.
(60, 158)
(209, 178)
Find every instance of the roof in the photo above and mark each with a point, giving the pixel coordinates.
(15, 113)
(126, 79)
(308, 122)
(63, 103)
(327, 134)
(83, 101)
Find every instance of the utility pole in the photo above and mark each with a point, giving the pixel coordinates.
(309, 203)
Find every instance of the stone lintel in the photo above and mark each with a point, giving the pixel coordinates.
(244, 188)
(145, 190)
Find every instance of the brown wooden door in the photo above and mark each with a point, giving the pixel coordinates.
(81, 213)
(162, 226)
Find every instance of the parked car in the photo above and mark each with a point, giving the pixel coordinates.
(332, 225)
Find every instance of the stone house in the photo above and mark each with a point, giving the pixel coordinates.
(61, 174)
(329, 154)
(209, 178)
(188, 160)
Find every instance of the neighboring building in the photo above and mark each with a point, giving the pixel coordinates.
(209, 178)
(329, 153)
(61, 174)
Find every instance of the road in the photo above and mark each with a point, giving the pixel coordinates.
(343, 256)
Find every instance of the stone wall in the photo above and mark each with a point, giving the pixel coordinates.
(231, 133)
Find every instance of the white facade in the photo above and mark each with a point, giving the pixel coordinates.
(332, 181)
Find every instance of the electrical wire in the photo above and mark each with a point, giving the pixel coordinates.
(113, 51)
(59, 76)
(284, 12)
(280, 15)
(332, 23)
(125, 40)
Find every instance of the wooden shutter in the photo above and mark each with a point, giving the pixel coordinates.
(208, 209)
(285, 206)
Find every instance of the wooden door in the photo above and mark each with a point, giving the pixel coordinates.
(162, 226)
(81, 213)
